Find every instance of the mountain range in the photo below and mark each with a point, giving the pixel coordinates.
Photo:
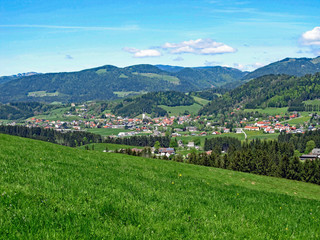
(110, 82)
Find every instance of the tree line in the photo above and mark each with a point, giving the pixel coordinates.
(69, 138)
(270, 158)
(141, 141)
(79, 138)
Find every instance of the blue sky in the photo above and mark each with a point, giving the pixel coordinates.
(69, 35)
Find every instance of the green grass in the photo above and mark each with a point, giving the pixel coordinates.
(124, 94)
(107, 131)
(167, 78)
(187, 139)
(123, 76)
(270, 111)
(298, 120)
(57, 114)
(49, 191)
(101, 71)
(260, 135)
(200, 101)
(102, 146)
(179, 110)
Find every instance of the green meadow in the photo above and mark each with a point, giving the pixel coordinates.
(107, 131)
(270, 111)
(298, 120)
(49, 191)
(261, 135)
(180, 110)
(57, 114)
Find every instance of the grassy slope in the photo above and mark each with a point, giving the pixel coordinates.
(270, 111)
(179, 110)
(201, 101)
(49, 191)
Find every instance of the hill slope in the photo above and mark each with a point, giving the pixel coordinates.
(148, 103)
(289, 66)
(106, 82)
(269, 91)
(50, 191)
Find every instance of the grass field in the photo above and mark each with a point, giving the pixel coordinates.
(270, 111)
(187, 139)
(200, 101)
(57, 114)
(167, 78)
(49, 191)
(298, 120)
(107, 131)
(179, 110)
(124, 94)
(259, 135)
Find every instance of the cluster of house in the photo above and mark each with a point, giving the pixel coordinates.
(315, 154)
(269, 127)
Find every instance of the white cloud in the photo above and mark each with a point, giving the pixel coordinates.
(211, 63)
(239, 66)
(138, 53)
(248, 67)
(312, 37)
(199, 46)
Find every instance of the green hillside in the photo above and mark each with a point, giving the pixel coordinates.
(269, 91)
(54, 192)
(148, 103)
(289, 66)
(109, 82)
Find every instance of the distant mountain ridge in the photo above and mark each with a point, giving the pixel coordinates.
(289, 66)
(16, 76)
(109, 82)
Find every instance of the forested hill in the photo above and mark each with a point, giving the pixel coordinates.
(148, 103)
(109, 82)
(268, 91)
(290, 66)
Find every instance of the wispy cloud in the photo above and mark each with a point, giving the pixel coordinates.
(69, 57)
(178, 59)
(199, 46)
(86, 28)
(142, 53)
(211, 63)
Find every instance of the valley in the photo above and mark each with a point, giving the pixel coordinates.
(227, 152)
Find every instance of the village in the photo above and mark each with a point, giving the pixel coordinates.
(188, 130)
